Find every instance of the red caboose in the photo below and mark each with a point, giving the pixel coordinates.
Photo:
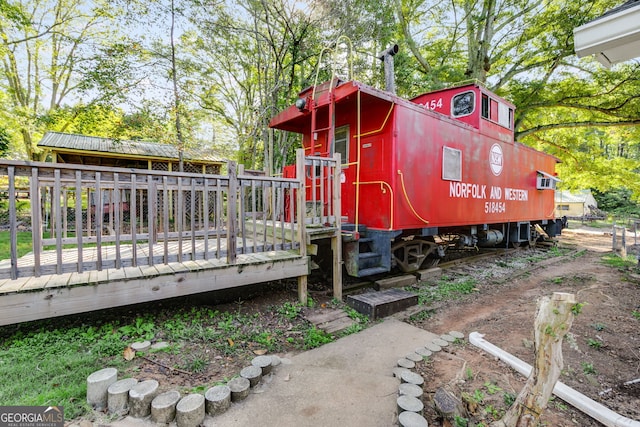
(421, 175)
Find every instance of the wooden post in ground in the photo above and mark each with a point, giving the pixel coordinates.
(619, 248)
(336, 240)
(553, 321)
(302, 229)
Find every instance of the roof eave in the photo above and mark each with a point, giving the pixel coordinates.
(612, 38)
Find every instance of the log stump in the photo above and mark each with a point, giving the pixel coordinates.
(410, 404)
(411, 419)
(265, 363)
(217, 399)
(163, 407)
(97, 385)
(190, 411)
(239, 388)
(118, 396)
(447, 404)
(140, 397)
(253, 374)
(410, 390)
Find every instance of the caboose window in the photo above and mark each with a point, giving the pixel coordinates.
(463, 104)
(485, 106)
(544, 181)
(341, 143)
(451, 164)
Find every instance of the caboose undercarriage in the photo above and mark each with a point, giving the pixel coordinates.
(367, 252)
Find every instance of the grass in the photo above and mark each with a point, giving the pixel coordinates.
(24, 243)
(620, 263)
(47, 362)
(446, 289)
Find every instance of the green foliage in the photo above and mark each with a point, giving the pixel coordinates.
(141, 329)
(618, 201)
(445, 290)
(492, 388)
(315, 337)
(460, 421)
(588, 368)
(508, 398)
(615, 261)
(289, 310)
(577, 308)
(594, 343)
(636, 314)
(5, 141)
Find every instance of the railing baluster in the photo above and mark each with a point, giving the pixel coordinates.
(65, 211)
(273, 215)
(152, 206)
(57, 211)
(322, 195)
(265, 215)
(232, 213)
(133, 220)
(205, 214)
(36, 221)
(98, 206)
(13, 222)
(193, 219)
(281, 197)
(116, 208)
(292, 215)
(218, 219)
(242, 224)
(78, 222)
(253, 215)
(165, 217)
(180, 217)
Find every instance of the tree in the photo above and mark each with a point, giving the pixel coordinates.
(260, 61)
(523, 50)
(59, 51)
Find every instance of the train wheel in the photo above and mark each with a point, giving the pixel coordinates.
(409, 255)
(430, 262)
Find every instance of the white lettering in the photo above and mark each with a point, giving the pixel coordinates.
(467, 190)
(496, 193)
(495, 207)
(516, 194)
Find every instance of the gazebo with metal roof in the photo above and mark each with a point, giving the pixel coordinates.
(97, 151)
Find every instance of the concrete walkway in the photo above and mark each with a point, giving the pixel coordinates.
(345, 383)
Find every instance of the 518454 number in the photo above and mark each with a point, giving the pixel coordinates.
(495, 207)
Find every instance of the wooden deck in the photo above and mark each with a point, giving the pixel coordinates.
(181, 234)
(31, 298)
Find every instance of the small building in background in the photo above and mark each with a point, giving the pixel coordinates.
(97, 151)
(578, 203)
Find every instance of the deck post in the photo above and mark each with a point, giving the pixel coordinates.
(232, 210)
(302, 228)
(336, 240)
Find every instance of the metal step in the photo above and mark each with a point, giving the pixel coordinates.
(368, 255)
(371, 271)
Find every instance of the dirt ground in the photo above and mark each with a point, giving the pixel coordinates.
(601, 351)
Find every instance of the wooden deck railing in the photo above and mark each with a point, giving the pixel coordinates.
(93, 218)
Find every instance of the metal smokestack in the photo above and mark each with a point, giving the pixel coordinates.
(389, 77)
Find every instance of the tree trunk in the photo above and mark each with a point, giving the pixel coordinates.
(553, 321)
